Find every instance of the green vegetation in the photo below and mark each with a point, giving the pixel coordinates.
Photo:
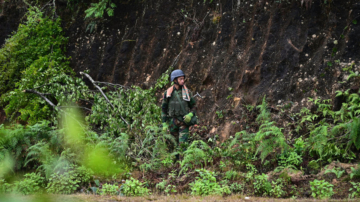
(261, 185)
(278, 188)
(355, 190)
(117, 147)
(97, 9)
(206, 185)
(337, 171)
(109, 189)
(133, 187)
(33, 59)
(321, 189)
(31, 184)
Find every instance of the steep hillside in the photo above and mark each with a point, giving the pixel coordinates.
(286, 50)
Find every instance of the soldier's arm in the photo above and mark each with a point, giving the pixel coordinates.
(192, 104)
(164, 108)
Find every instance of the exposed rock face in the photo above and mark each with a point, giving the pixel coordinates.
(9, 19)
(254, 47)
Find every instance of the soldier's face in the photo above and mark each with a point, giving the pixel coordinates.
(181, 80)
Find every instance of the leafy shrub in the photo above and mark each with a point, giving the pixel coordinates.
(165, 187)
(154, 148)
(170, 189)
(321, 189)
(167, 162)
(242, 146)
(355, 173)
(84, 174)
(277, 188)
(337, 171)
(299, 145)
(4, 186)
(161, 185)
(236, 187)
(32, 183)
(109, 189)
(206, 185)
(261, 185)
(355, 190)
(97, 9)
(249, 175)
(313, 167)
(231, 175)
(269, 136)
(50, 162)
(68, 181)
(290, 158)
(134, 187)
(198, 153)
(17, 139)
(220, 114)
(333, 133)
(34, 57)
(138, 106)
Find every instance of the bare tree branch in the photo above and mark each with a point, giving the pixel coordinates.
(76, 107)
(197, 94)
(176, 59)
(43, 97)
(55, 15)
(54, 106)
(292, 45)
(205, 16)
(102, 92)
(111, 84)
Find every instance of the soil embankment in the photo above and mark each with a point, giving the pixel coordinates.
(232, 51)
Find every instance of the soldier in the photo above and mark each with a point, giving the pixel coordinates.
(178, 108)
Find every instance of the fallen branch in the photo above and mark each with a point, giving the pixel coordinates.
(42, 95)
(292, 45)
(102, 92)
(176, 59)
(76, 107)
(197, 94)
(111, 84)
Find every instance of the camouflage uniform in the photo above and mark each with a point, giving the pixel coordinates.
(173, 114)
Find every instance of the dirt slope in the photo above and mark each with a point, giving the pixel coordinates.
(245, 48)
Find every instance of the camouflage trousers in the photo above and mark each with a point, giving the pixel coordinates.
(179, 130)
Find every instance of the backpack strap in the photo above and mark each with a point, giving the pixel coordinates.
(177, 97)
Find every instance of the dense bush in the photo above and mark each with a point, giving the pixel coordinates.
(69, 180)
(321, 189)
(17, 140)
(133, 187)
(109, 189)
(33, 58)
(33, 183)
(206, 185)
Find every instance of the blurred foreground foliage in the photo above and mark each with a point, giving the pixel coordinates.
(107, 141)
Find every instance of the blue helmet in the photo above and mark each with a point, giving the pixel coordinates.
(176, 73)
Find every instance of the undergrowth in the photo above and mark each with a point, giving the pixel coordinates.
(115, 145)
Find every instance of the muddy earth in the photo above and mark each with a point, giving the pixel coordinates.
(233, 52)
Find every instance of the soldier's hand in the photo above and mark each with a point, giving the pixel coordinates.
(165, 126)
(187, 117)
